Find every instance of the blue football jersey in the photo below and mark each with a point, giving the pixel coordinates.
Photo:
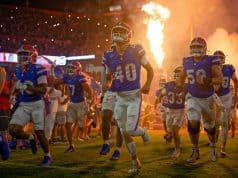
(173, 94)
(75, 87)
(202, 67)
(126, 69)
(227, 71)
(34, 76)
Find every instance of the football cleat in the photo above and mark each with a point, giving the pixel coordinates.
(70, 149)
(33, 143)
(105, 149)
(223, 152)
(168, 138)
(146, 137)
(176, 153)
(116, 155)
(46, 161)
(213, 152)
(135, 166)
(194, 156)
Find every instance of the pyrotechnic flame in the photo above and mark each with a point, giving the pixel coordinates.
(155, 25)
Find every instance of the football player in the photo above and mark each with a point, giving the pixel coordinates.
(124, 63)
(32, 84)
(203, 72)
(175, 94)
(5, 107)
(162, 108)
(108, 105)
(224, 93)
(77, 85)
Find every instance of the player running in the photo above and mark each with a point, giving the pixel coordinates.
(224, 93)
(203, 72)
(32, 84)
(175, 94)
(124, 64)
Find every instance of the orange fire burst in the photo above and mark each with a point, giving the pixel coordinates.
(158, 14)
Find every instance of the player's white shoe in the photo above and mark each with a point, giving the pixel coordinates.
(176, 153)
(194, 156)
(146, 137)
(223, 152)
(135, 166)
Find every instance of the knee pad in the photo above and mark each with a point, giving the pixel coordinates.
(193, 127)
(211, 131)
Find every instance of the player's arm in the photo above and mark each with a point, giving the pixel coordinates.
(216, 75)
(87, 89)
(150, 74)
(235, 81)
(106, 78)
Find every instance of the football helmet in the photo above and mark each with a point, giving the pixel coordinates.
(74, 68)
(198, 47)
(121, 33)
(177, 72)
(220, 55)
(26, 54)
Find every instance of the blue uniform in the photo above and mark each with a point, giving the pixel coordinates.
(202, 67)
(227, 71)
(174, 100)
(126, 69)
(75, 87)
(31, 77)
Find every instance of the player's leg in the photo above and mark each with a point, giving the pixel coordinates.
(38, 120)
(108, 105)
(119, 141)
(176, 125)
(133, 115)
(81, 118)
(71, 115)
(233, 122)
(227, 101)
(169, 121)
(210, 128)
(193, 116)
(49, 124)
(16, 127)
(132, 129)
(4, 121)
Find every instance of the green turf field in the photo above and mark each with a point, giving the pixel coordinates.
(155, 158)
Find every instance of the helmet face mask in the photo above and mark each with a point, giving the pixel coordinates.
(177, 73)
(198, 47)
(26, 55)
(121, 33)
(73, 68)
(221, 56)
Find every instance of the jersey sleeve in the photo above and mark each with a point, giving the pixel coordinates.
(41, 74)
(139, 51)
(233, 70)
